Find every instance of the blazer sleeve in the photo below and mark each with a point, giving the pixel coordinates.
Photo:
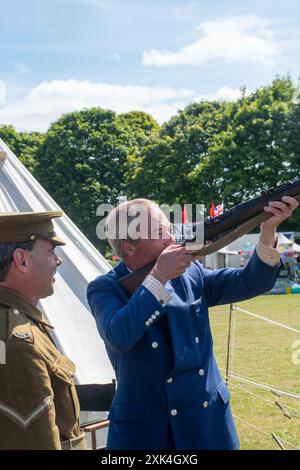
(223, 286)
(121, 325)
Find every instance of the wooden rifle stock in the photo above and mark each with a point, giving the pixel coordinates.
(225, 228)
(136, 278)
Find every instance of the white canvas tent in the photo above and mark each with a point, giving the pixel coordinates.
(283, 240)
(245, 246)
(232, 254)
(295, 248)
(67, 310)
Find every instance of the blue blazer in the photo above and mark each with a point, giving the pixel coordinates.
(170, 393)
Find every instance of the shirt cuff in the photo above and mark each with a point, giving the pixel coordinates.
(267, 254)
(157, 289)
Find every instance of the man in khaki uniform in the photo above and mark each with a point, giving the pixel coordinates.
(39, 408)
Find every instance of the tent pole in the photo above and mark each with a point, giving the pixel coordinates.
(229, 343)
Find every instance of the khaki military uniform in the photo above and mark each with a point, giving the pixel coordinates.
(39, 408)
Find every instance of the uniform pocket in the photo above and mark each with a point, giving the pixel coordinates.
(65, 397)
(223, 392)
(126, 412)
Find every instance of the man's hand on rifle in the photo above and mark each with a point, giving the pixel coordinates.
(281, 210)
(171, 263)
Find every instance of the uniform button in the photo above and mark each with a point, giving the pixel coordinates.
(205, 404)
(150, 320)
(173, 412)
(157, 313)
(197, 340)
(16, 311)
(201, 372)
(154, 345)
(147, 323)
(153, 317)
(170, 380)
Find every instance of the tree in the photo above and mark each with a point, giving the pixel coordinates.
(84, 159)
(293, 151)
(141, 130)
(24, 144)
(170, 158)
(81, 164)
(254, 151)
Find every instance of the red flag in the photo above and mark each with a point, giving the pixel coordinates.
(184, 217)
(212, 209)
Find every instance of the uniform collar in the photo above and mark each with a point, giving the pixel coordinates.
(16, 300)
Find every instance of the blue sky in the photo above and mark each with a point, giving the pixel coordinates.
(63, 55)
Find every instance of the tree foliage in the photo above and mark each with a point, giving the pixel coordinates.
(170, 158)
(84, 157)
(24, 144)
(227, 152)
(210, 150)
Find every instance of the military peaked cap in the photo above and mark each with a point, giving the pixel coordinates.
(18, 227)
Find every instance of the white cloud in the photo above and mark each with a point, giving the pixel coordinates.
(224, 93)
(49, 100)
(235, 39)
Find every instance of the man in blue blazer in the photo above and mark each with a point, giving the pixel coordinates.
(170, 393)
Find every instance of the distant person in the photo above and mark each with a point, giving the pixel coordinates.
(39, 408)
(170, 393)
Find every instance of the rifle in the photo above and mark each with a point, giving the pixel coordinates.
(225, 228)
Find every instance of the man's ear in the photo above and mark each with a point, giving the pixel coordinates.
(19, 259)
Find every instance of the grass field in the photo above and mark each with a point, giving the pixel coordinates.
(264, 353)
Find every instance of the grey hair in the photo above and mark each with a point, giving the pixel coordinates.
(113, 223)
(6, 255)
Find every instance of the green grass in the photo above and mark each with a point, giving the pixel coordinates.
(262, 352)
